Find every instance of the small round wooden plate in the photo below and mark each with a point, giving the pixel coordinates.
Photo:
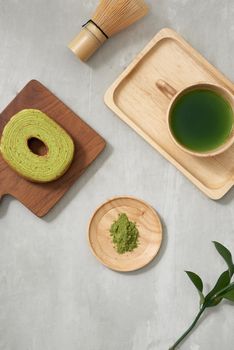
(148, 224)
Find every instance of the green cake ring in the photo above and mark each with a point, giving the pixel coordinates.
(32, 123)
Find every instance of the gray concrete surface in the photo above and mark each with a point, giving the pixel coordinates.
(54, 295)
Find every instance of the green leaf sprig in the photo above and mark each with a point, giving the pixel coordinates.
(223, 289)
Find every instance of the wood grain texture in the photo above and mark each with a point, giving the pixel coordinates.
(136, 100)
(148, 224)
(40, 198)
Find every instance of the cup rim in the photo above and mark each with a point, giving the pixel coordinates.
(206, 86)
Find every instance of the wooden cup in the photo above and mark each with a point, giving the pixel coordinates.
(174, 96)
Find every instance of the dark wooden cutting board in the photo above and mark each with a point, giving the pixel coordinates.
(40, 198)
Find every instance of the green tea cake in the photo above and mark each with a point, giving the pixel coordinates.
(14, 147)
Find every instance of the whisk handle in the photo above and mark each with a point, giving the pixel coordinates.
(88, 41)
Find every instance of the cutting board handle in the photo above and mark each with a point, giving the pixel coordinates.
(166, 88)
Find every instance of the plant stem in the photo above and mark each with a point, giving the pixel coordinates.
(224, 290)
(189, 329)
(204, 306)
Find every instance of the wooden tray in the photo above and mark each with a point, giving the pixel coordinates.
(40, 198)
(136, 100)
(148, 224)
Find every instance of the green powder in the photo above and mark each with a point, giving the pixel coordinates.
(124, 234)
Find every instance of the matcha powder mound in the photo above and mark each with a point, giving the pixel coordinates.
(124, 234)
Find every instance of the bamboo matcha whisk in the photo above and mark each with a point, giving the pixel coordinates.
(110, 17)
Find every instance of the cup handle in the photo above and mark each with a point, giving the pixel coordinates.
(166, 88)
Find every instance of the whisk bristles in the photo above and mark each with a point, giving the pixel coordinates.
(113, 16)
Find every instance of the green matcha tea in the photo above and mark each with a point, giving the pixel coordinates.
(201, 120)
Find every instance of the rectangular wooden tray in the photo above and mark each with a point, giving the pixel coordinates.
(135, 98)
(40, 198)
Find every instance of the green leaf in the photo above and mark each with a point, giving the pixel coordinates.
(229, 296)
(222, 282)
(227, 256)
(228, 293)
(197, 281)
